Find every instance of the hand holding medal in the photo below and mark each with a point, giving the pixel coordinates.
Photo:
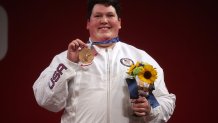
(78, 51)
(74, 48)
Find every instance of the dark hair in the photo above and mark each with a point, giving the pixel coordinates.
(114, 3)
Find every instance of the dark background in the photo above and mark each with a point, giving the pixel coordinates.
(181, 36)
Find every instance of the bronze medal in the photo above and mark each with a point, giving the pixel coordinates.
(86, 56)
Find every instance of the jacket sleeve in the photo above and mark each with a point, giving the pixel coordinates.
(51, 88)
(163, 112)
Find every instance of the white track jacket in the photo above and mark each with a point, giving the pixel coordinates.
(98, 93)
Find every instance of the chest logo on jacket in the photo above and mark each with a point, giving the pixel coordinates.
(126, 62)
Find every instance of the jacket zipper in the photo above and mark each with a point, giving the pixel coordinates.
(108, 87)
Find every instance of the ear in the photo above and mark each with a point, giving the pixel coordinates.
(119, 19)
(88, 24)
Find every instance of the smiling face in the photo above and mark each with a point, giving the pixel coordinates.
(104, 23)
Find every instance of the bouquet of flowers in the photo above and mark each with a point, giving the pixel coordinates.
(141, 81)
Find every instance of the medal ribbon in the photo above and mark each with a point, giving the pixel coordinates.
(114, 40)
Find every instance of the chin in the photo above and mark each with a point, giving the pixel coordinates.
(105, 36)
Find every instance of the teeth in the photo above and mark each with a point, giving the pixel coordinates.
(104, 28)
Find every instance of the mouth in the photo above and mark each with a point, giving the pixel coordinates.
(104, 28)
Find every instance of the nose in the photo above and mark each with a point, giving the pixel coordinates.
(104, 20)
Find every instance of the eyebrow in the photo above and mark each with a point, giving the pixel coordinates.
(103, 13)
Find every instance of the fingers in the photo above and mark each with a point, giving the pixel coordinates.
(76, 45)
(141, 106)
(141, 100)
(73, 50)
(141, 113)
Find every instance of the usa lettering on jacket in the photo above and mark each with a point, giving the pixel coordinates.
(57, 74)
